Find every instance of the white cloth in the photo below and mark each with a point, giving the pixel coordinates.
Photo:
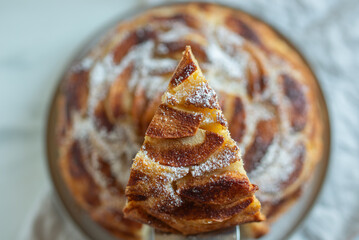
(46, 222)
(327, 33)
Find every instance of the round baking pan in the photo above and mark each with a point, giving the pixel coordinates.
(281, 229)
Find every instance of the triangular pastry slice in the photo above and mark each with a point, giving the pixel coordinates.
(188, 176)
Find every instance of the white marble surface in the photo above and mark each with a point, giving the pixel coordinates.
(38, 37)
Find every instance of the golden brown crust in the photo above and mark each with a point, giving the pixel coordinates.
(265, 133)
(243, 29)
(223, 189)
(178, 123)
(126, 107)
(117, 102)
(298, 107)
(101, 118)
(76, 93)
(75, 172)
(135, 37)
(183, 71)
(238, 125)
(177, 154)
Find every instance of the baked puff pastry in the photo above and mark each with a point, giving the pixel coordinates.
(108, 97)
(188, 176)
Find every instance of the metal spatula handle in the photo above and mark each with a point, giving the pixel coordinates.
(228, 234)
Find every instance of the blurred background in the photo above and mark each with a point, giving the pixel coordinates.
(38, 39)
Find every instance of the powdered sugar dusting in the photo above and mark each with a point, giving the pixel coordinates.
(87, 63)
(186, 73)
(203, 96)
(276, 167)
(222, 45)
(153, 168)
(117, 153)
(218, 161)
(255, 112)
(176, 31)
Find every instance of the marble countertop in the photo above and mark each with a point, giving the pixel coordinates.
(39, 37)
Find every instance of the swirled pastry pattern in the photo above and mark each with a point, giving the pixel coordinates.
(265, 90)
